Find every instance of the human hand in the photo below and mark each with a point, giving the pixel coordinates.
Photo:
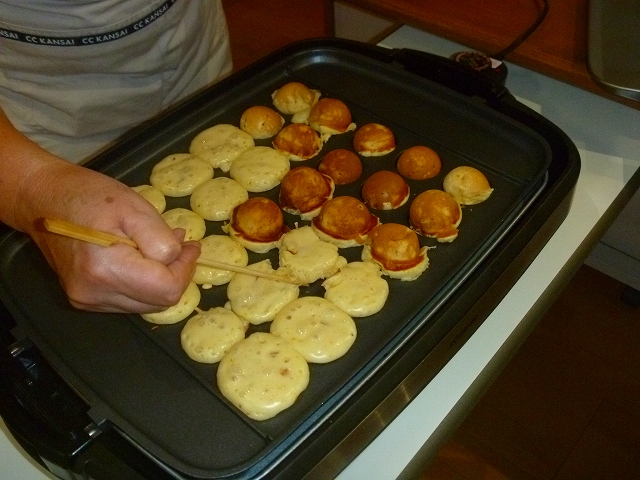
(118, 278)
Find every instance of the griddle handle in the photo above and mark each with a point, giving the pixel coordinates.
(34, 407)
(450, 74)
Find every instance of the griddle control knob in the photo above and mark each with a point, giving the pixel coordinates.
(494, 69)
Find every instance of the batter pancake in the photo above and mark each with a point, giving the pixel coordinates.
(305, 257)
(152, 195)
(193, 224)
(259, 169)
(262, 375)
(358, 289)
(316, 328)
(219, 247)
(220, 145)
(342, 165)
(419, 163)
(257, 299)
(208, 336)
(215, 199)
(330, 116)
(179, 174)
(181, 310)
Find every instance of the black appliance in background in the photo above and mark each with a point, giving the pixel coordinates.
(613, 46)
(107, 397)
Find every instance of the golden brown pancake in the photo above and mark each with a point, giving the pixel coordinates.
(467, 185)
(419, 163)
(373, 140)
(385, 190)
(294, 97)
(304, 190)
(397, 250)
(345, 221)
(330, 116)
(261, 122)
(257, 224)
(298, 141)
(435, 213)
(342, 165)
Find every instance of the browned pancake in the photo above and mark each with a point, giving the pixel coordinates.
(373, 139)
(331, 116)
(261, 122)
(345, 220)
(294, 97)
(342, 165)
(298, 141)
(435, 213)
(304, 190)
(467, 185)
(385, 190)
(419, 163)
(258, 220)
(396, 247)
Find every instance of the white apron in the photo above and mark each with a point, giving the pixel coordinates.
(76, 74)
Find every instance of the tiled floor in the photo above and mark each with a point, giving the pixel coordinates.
(567, 407)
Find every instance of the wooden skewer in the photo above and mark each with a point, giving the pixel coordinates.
(207, 262)
(87, 234)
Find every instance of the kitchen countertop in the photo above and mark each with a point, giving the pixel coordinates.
(557, 48)
(609, 148)
(610, 153)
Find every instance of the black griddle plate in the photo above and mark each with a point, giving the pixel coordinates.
(135, 375)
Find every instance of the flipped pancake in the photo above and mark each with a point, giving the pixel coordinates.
(397, 250)
(304, 190)
(344, 221)
(434, 213)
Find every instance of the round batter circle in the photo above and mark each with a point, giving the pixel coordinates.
(259, 169)
(216, 198)
(358, 289)
(152, 195)
(208, 336)
(316, 328)
(192, 223)
(179, 174)
(257, 299)
(220, 145)
(178, 312)
(262, 375)
(219, 247)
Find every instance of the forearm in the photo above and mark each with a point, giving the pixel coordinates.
(35, 184)
(26, 169)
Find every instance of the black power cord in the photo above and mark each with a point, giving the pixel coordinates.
(516, 43)
(493, 65)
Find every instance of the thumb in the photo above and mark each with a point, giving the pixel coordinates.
(156, 240)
